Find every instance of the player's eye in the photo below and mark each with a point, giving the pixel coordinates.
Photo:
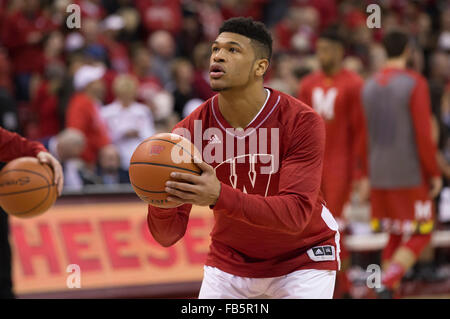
(215, 49)
(233, 50)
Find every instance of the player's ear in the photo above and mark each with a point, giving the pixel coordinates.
(261, 67)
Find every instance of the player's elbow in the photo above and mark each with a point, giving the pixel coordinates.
(167, 241)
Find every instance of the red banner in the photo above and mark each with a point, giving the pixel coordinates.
(111, 244)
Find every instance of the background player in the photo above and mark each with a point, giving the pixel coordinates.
(334, 93)
(404, 174)
(12, 146)
(273, 237)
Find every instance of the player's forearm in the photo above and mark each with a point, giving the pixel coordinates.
(13, 145)
(167, 225)
(288, 213)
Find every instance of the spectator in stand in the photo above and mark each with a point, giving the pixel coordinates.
(67, 147)
(117, 51)
(128, 121)
(150, 91)
(298, 31)
(83, 112)
(327, 10)
(244, 8)
(162, 46)
(189, 36)
(149, 84)
(210, 18)
(22, 34)
(183, 74)
(160, 15)
(5, 71)
(285, 79)
(45, 102)
(93, 46)
(91, 9)
(67, 90)
(109, 169)
(201, 76)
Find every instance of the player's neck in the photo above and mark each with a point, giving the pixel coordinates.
(240, 106)
(397, 63)
(332, 71)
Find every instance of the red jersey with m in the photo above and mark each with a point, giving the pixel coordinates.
(337, 99)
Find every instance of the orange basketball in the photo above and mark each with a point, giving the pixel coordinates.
(153, 161)
(26, 187)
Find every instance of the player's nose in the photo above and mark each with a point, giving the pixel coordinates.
(218, 57)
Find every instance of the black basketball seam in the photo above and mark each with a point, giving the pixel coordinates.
(48, 188)
(166, 165)
(28, 171)
(154, 192)
(27, 211)
(25, 170)
(160, 139)
(28, 190)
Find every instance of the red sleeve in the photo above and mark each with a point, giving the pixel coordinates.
(300, 175)
(168, 225)
(358, 128)
(421, 117)
(13, 145)
(304, 93)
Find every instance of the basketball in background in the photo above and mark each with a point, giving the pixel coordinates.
(27, 188)
(153, 161)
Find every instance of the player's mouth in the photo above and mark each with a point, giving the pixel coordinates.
(216, 71)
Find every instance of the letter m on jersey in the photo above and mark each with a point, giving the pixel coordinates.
(422, 210)
(245, 172)
(323, 102)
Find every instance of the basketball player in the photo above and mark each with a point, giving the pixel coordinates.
(334, 93)
(12, 146)
(404, 173)
(273, 236)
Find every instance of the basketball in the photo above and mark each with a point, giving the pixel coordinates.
(27, 188)
(153, 161)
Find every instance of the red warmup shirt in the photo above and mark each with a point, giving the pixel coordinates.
(83, 115)
(17, 28)
(12, 146)
(338, 100)
(269, 214)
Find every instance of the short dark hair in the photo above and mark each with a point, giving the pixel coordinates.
(332, 33)
(395, 43)
(254, 30)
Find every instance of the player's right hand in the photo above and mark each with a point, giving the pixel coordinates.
(436, 186)
(45, 157)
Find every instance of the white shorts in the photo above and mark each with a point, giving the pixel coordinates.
(301, 284)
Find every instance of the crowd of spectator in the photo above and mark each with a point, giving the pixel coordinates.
(136, 67)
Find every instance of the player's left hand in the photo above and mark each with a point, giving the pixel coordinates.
(47, 158)
(203, 190)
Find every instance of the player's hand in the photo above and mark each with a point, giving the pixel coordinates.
(47, 158)
(203, 190)
(436, 186)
